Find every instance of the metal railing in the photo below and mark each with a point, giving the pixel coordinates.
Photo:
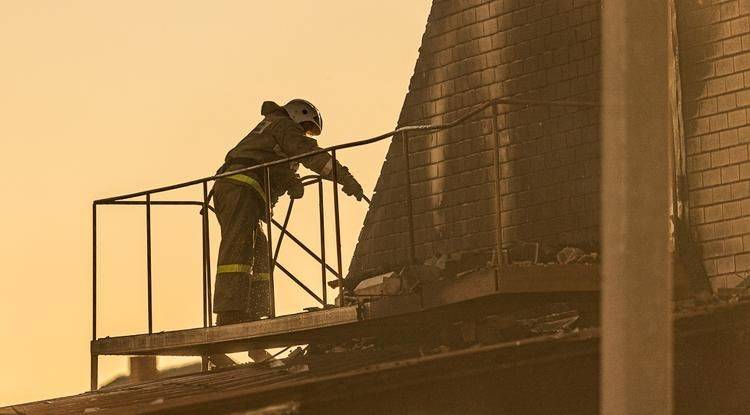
(273, 263)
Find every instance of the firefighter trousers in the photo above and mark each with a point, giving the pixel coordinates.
(242, 277)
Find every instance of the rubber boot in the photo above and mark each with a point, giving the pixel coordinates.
(222, 319)
(259, 355)
(221, 360)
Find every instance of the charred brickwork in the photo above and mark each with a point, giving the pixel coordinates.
(714, 42)
(473, 51)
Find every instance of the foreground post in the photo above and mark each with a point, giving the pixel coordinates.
(636, 289)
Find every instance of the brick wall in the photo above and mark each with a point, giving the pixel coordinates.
(472, 51)
(714, 46)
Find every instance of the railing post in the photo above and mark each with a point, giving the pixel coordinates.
(207, 311)
(203, 275)
(321, 211)
(206, 276)
(409, 207)
(209, 297)
(498, 195)
(337, 222)
(94, 358)
(269, 213)
(148, 263)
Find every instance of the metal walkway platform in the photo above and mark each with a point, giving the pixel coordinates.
(489, 285)
(280, 331)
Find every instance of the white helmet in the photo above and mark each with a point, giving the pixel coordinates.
(305, 114)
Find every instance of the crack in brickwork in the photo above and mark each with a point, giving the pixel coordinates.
(472, 51)
(714, 41)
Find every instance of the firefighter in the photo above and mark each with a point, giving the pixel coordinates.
(242, 275)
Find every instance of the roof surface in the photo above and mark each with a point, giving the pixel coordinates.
(334, 376)
(260, 386)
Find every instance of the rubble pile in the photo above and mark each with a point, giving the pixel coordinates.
(443, 267)
(536, 253)
(548, 320)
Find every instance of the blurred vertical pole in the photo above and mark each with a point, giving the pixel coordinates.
(636, 287)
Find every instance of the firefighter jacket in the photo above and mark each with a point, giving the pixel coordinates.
(275, 138)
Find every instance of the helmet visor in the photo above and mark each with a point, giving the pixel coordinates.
(311, 128)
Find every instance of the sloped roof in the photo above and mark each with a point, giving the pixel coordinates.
(222, 391)
(337, 377)
(182, 370)
(473, 51)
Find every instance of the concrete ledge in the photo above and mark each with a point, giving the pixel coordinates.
(549, 278)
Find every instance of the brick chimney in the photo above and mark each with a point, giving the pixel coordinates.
(473, 51)
(143, 368)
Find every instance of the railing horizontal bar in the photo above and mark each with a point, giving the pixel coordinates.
(300, 283)
(162, 202)
(309, 182)
(191, 203)
(427, 127)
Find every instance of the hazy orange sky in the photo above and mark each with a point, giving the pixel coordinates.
(101, 98)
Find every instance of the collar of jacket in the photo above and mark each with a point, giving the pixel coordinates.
(270, 107)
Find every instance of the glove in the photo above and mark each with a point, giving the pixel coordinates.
(353, 188)
(296, 189)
